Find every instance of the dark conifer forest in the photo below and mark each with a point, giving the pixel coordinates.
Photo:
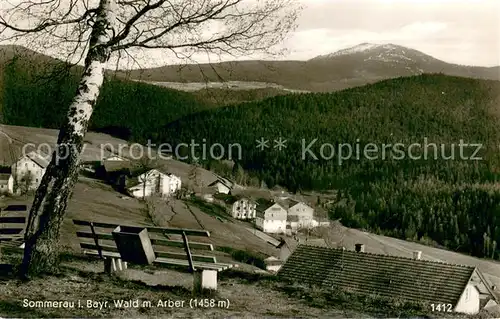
(450, 202)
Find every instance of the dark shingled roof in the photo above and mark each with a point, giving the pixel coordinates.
(263, 204)
(387, 276)
(5, 170)
(223, 181)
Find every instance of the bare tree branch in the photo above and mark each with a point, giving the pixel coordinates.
(93, 30)
(47, 23)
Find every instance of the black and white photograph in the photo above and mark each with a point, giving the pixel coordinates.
(250, 159)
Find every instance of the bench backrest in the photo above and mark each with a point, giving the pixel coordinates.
(167, 242)
(13, 220)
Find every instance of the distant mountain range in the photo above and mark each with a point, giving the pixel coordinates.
(355, 66)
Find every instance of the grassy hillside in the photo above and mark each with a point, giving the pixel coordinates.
(38, 94)
(452, 202)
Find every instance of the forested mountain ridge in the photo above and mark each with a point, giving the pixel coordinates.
(454, 202)
(439, 108)
(360, 65)
(35, 90)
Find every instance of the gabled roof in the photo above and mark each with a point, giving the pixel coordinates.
(387, 276)
(263, 204)
(222, 181)
(292, 203)
(115, 158)
(233, 199)
(39, 158)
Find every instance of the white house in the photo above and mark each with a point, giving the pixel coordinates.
(273, 264)
(155, 182)
(300, 215)
(244, 208)
(222, 185)
(33, 165)
(114, 158)
(6, 184)
(271, 217)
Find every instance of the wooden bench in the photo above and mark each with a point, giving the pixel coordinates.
(13, 220)
(96, 239)
(12, 226)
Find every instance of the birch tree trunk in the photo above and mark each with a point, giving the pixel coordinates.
(41, 253)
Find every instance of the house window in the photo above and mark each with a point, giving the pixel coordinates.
(467, 294)
(33, 164)
(25, 164)
(36, 180)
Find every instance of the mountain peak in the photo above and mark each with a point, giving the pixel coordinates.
(362, 48)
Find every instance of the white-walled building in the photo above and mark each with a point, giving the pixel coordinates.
(244, 208)
(155, 182)
(6, 184)
(271, 217)
(273, 264)
(300, 215)
(30, 168)
(222, 185)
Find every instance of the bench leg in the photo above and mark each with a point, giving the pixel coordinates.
(112, 265)
(204, 280)
(119, 265)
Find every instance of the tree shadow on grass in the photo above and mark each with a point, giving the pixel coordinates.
(15, 309)
(133, 285)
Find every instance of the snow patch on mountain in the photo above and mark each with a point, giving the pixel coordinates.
(390, 53)
(360, 48)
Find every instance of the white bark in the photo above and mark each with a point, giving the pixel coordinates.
(51, 199)
(82, 103)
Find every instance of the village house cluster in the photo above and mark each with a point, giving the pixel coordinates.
(121, 173)
(279, 215)
(25, 174)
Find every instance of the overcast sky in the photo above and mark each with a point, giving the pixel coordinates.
(457, 31)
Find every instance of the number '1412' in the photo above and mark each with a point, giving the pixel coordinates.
(442, 307)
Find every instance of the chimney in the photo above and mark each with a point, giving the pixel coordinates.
(360, 248)
(417, 255)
